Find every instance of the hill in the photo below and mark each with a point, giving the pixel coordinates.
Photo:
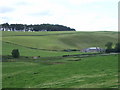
(46, 41)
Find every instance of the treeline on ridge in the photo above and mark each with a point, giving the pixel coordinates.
(35, 27)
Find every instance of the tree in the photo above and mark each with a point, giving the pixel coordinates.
(117, 47)
(15, 53)
(5, 26)
(35, 27)
(109, 47)
(13, 27)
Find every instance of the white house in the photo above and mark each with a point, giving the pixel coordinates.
(93, 49)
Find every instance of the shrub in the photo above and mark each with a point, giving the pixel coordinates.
(15, 53)
(117, 47)
(109, 47)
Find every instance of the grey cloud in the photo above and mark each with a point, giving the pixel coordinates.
(43, 13)
(6, 9)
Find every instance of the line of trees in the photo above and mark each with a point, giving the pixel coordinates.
(110, 48)
(35, 27)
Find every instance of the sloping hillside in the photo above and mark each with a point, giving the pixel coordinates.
(60, 40)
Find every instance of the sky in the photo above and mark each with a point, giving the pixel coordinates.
(82, 15)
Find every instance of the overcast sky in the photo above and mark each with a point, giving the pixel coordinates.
(82, 15)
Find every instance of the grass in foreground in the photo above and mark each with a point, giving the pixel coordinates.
(90, 72)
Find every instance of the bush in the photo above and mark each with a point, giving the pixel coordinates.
(109, 47)
(15, 53)
(117, 47)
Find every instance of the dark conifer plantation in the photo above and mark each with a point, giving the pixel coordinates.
(35, 27)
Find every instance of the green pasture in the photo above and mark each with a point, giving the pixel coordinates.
(13, 33)
(60, 40)
(89, 72)
(51, 70)
(7, 49)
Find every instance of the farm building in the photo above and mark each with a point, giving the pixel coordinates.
(93, 49)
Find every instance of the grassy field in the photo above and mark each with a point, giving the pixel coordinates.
(54, 41)
(52, 70)
(7, 48)
(89, 72)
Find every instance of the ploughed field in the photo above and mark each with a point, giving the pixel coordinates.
(53, 69)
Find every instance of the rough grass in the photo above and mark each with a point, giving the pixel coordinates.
(7, 48)
(61, 40)
(51, 71)
(51, 41)
(91, 72)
